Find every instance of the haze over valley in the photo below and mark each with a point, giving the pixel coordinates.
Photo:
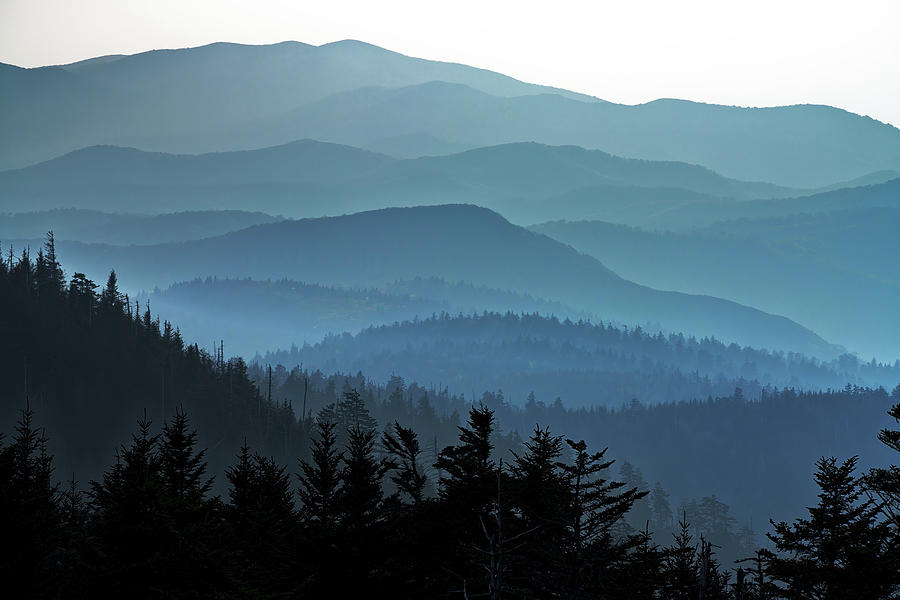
(354, 268)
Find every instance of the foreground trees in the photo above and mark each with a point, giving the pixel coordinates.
(362, 513)
(549, 524)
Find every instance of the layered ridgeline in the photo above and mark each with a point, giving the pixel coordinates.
(526, 182)
(254, 316)
(230, 96)
(455, 243)
(126, 228)
(658, 209)
(90, 365)
(90, 369)
(833, 270)
(581, 363)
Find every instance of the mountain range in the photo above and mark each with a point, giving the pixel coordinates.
(229, 96)
(524, 181)
(831, 270)
(453, 242)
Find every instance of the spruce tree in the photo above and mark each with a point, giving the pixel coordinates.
(320, 480)
(842, 550)
(111, 300)
(131, 522)
(541, 498)
(263, 527)
(680, 569)
(402, 446)
(596, 506)
(30, 516)
(885, 481)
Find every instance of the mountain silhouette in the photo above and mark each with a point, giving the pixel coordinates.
(230, 96)
(453, 242)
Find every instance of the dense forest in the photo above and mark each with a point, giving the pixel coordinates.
(257, 315)
(584, 363)
(88, 361)
(373, 248)
(337, 486)
(366, 520)
(694, 448)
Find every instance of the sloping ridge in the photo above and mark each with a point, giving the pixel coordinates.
(456, 243)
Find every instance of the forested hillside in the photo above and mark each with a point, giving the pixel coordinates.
(89, 363)
(379, 468)
(830, 270)
(455, 243)
(583, 363)
(258, 315)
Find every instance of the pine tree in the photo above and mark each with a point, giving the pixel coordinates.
(130, 521)
(468, 467)
(885, 482)
(352, 412)
(541, 498)
(680, 570)
(842, 550)
(263, 527)
(320, 480)
(663, 519)
(597, 504)
(30, 518)
(402, 446)
(111, 300)
(183, 466)
(362, 481)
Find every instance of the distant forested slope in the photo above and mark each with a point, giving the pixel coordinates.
(584, 364)
(90, 365)
(254, 316)
(455, 243)
(834, 271)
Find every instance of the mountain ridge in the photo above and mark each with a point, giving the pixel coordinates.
(453, 242)
(226, 93)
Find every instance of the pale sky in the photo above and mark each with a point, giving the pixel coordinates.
(747, 52)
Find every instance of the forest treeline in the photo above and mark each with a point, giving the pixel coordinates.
(90, 362)
(361, 518)
(582, 362)
(379, 489)
(755, 454)
(255, 315)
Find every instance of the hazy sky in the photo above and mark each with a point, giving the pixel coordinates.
(743, 52)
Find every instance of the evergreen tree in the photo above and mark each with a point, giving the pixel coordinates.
(468, 466)
(641, 513)
(842, 550)
(597, 504)
(111, 299)
(183, 466)
(362, 516)
(130, 522)
(663, 519)
(191, 514)
(541, 498)
(262, 522)
(30, 516)
(352, 412)
(402, 446)
(680, 570)
(320, 480)
(885, 482)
